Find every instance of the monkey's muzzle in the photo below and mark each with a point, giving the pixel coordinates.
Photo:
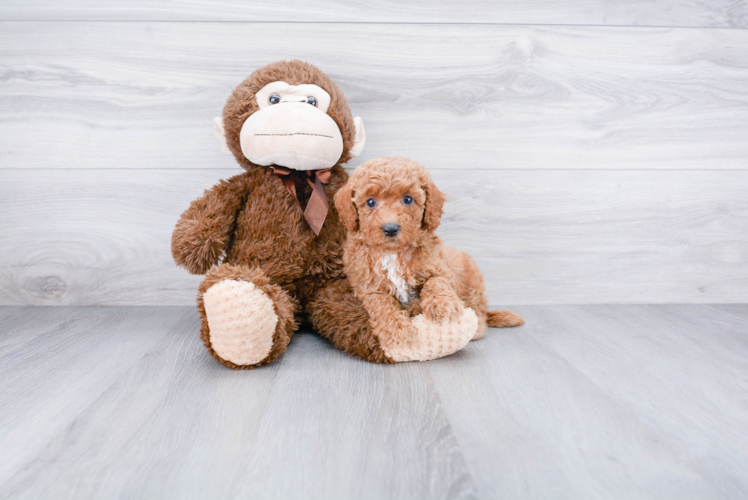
(294, 135)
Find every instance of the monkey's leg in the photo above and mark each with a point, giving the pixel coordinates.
(247, 320)
(340, 317)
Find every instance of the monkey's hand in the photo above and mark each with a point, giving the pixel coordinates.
(196, 244)
(417, 339)
(432, 340)
(202, 233)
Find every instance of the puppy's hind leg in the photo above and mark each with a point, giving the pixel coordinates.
(471, 286)
(472, 290)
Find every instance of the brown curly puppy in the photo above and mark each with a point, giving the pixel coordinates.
(394, 261)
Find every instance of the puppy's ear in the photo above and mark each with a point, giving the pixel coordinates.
(434, 206)
(346, 208)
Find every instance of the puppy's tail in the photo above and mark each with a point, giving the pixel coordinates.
(499, 319)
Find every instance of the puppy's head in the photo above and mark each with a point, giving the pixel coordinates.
(390, 202)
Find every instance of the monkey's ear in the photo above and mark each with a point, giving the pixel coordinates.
(220, 134)
(346, 208)
(360, 138)
(434, 206)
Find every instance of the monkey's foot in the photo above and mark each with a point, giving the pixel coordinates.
(433, 340)
(241, 319)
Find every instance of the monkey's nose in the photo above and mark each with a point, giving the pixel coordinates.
(391, 229)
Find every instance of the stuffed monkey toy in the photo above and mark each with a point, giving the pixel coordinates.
(269, 240)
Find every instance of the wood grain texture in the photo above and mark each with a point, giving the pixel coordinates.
(714, 13)
(580, 402)
(86, 237)
(143, 95)
(391, 440)
(605, 402)
(21, 325)
(175, 424)
(88, 351)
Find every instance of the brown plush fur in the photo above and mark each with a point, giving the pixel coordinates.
(250, 228)
(442, 278)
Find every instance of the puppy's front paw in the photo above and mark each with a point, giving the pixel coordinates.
(441, 310)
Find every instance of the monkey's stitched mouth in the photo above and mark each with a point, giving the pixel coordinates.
(297, 133)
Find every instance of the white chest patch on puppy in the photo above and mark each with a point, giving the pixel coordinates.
(403, 290)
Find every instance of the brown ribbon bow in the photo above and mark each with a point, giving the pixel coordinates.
(317, 206)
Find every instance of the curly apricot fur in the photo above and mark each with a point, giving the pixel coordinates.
(443, 278)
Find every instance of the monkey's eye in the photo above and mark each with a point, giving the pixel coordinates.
(407, 200)
(274, 98)
(371, 203)
(311, 100)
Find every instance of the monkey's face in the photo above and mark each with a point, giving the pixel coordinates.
(292, 115)
(292, 128)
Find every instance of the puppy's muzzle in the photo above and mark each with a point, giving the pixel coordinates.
(390, 230)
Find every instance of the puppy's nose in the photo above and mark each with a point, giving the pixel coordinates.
(391, 229)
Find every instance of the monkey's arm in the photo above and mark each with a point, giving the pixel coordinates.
(205, 228)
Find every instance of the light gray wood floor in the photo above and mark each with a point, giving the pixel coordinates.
(581, 402)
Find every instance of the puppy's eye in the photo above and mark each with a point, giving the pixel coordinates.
(371, 203)
(407, 200)
(274, 99)
(311, 100)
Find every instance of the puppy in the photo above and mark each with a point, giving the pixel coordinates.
(396, 264)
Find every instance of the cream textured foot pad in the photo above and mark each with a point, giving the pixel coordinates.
(435, 340)
(241, 319)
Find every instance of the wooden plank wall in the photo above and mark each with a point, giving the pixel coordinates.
(594, 151)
